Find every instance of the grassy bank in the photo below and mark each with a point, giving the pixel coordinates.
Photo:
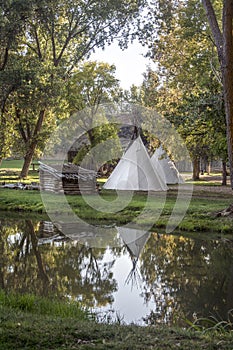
(199, 217)
(43, 306)
(22, 328)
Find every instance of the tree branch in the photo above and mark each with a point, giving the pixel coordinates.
(5, 58)
(214, 26)
(39, 123)
(21, 129)
(38, 45)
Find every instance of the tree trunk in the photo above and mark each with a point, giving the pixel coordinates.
(224, 173)
(41, 269)
(2, 265)
(224, 44)
(227, 73)
(90, 161)
(3, 137)
(229, 299)
(27, 161)
(32, 146)
(91, 136)
(196, 168)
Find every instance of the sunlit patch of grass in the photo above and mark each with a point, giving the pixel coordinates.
(13, 164)
(13, 176)
(10, 172)
(212, 179)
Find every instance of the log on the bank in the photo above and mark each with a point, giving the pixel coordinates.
(225, 212)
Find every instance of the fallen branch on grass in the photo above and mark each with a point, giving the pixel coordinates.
(225, 212)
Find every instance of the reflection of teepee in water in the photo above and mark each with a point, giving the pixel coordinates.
(135, 241)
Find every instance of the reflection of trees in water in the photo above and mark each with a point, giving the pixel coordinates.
(20, 257)
(182, 276)
(5, 253)
(186, 277)
(79, 271)
(55, 269)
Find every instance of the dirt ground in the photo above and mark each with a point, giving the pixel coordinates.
(212, 184)
(216, 189)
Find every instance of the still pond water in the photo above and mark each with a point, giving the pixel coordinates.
(149, 278)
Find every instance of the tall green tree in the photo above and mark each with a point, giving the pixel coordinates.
(91, 84)
(13, 16)
(57, 36)
(186, 87)
(223, 40)
(94, 83)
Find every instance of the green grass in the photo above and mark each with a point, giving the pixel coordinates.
(43, 306)
(10, 172)
(22, 328)
(205, 183)
(199, 217)
(19, 200)
(15, 164)
(213, 324)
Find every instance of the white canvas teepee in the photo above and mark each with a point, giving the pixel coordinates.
(135, 171)
(166, 167)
